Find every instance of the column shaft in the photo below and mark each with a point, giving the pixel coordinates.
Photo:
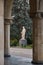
(38, 40)
(1, 32)
(7, 41)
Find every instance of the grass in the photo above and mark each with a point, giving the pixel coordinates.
(27, 46)
(30, 46)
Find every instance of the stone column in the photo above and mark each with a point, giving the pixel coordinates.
(1, 32)
(7, 16)
(38, 38)
(7, 38)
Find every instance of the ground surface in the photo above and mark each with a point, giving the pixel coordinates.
(21, 52)
(17, 60)
(20, 56)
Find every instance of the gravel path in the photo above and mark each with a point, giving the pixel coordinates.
(21, 52)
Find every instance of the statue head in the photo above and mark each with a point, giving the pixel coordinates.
(23, 27)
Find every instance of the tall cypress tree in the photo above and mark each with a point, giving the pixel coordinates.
(20, 13)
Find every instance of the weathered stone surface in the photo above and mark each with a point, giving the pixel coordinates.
(8, 9)
(16, 60)
(5, 12)
(1, 32)
(7, 40)
(23, 42)
(38, 40)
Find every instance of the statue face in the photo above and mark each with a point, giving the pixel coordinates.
(23, 27)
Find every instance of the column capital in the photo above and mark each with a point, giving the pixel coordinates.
(36, 8)
(37, 15)
(8, 21)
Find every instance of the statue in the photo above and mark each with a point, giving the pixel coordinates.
(23, 41)
(23, 33)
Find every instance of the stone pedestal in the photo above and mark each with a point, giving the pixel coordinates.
(22, 42)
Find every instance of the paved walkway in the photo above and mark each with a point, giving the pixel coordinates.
(19, 56)
(21, 52)
(17, 60)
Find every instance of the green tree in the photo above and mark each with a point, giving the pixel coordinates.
(20, 14)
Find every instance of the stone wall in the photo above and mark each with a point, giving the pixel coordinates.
(1, 32)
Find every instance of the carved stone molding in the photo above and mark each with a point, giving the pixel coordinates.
(37, 15)
(8, 21)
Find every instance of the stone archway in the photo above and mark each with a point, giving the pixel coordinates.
(37, 14)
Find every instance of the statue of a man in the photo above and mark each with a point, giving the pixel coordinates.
(23, 33)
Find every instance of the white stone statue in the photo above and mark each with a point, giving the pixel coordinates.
(23, 33)
(23, 41)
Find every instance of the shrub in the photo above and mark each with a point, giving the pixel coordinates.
(29, 41)
(14, 42)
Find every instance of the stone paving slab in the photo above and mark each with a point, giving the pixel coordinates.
(17, 60)
(19, 56)
(21, 52)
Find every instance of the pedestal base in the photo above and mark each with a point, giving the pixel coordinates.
(23, 42)
(7, 55)
(38, 62)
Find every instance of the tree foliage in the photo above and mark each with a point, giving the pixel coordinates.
(20, 14)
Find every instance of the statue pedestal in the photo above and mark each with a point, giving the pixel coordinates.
(22, 42)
